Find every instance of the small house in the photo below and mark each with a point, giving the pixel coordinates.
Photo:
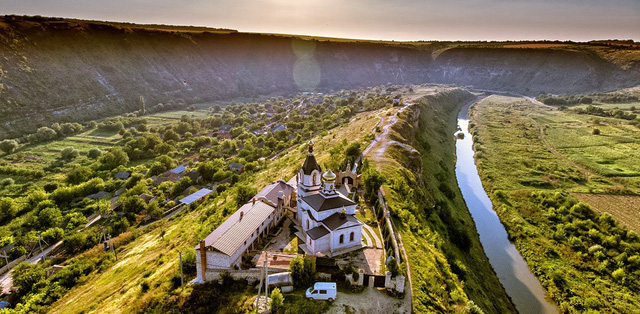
(179, 169)
(236, 167)
(122, 175)
(147, 198)
(279, 127)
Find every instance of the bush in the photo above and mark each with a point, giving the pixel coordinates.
(6, 182)
(52, 235)
(94, 153)
(49, 217)
(189, 262)
(8, 209)
(277, 301)
(114, 158)
(8, 146)
(69, 153)
(618, 274)
(75, 242)
(596, 132)
(79, 175)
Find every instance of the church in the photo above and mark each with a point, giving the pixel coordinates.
(326, 215)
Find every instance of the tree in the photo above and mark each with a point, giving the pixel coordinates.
(79, 175)
(46, 134)
(94, 153)
(244, 194)
(49, 217)
(182, 185)
(297, 270)
(26, 276)
(154, 210)
(303, 271)
(8, 209)
(114, 158)
(8, 146)
(171, 135)
(277, 301)
(373, 180)
(133, 205)
(69, 153)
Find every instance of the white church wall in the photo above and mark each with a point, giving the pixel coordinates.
(357, 237)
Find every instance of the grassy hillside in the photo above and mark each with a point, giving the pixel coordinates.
(532, 160)
(59, 70)
(143, 276)
(448, 265)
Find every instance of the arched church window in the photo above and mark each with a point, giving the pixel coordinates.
(315, 175)
(341, 238)
(351, 236)
(307, 223)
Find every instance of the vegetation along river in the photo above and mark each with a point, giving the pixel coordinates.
(514, 274)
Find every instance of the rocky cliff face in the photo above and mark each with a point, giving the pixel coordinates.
(58, 69)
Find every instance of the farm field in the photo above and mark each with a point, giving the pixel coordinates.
(624, 207)
(562, 190)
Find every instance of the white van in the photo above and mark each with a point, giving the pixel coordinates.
(322, 291)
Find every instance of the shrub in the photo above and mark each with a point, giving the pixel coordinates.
(277, 301)
(69, 153)
(79, 175)
(49, 217)
(6, 182)
(94, 153)
(75, 242)
(8, 209)
(596, 132)
(8, 146)
(52, 235)
(114, 158)
(618, 274)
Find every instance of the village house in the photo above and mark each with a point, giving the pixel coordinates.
(325, 216)
(223, 131)
(243, 230)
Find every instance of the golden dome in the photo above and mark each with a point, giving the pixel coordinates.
(329, 176)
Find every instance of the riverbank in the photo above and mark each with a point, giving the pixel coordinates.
(584, 259)
(449, 269)
(514, 274)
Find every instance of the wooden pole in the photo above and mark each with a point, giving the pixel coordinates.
(181, 273)
(112, 248)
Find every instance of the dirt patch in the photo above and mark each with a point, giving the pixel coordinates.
(369, 301)
(623, 208)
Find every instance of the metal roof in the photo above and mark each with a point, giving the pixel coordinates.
(271, 191)
(318, 232)
(229, 242)
(179, 169)
(195, 196)
(338, 220)
(320, 203)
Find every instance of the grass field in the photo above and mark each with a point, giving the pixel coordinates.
(532, 160)
(153, 259)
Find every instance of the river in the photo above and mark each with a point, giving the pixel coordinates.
(514, 274)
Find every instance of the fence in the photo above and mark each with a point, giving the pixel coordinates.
(12, 263)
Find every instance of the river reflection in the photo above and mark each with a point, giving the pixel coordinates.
(514, 274)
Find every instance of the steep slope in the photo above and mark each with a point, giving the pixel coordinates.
(57, 70)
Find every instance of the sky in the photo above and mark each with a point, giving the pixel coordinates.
(401, 20)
